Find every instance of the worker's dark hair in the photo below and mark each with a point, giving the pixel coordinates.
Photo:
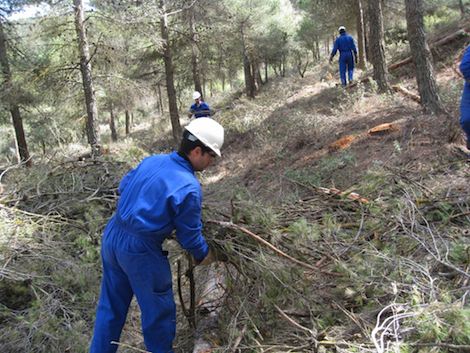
(190, 142)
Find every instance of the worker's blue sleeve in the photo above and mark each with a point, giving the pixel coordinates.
(353, 45)
(201, 110)
(188, 225)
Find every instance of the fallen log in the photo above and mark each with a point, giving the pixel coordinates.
(407, 93)
(433, 46)
(383, 128)
(210, 303)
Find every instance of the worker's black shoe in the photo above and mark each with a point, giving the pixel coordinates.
(468, 145)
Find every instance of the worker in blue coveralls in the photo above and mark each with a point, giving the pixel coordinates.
(199, 108)
(160, 195)
(344, 43)
(465, 101)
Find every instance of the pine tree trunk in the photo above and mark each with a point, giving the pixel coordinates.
(360, 35)
(194, 52)
(250, 89)
(376, 36)
(365, 17)
(256, 75)
(317, 49)
(160, 99)
(422, 58)
(87, 80)
(266, 71)
(283, 63)
(20, 135)
(128, 122)
(22, 146)
(462, 8)
(112, 124)
(169, 75)
(249, 80)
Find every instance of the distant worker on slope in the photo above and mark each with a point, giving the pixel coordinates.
(347, 55)
(200, 108)
(160, 195)
(465, 101)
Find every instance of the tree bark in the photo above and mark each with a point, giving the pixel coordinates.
(256, 75)
(462, 8)
(87, 80)
(317, 49)
(249, 79)
(376, 38)
(169, 75)
(422, 57)
(266, 71)
(128, 122)
(160, 99)
(194, 51)
(112, 124)
(283, 65)
(21, 144)
(211, 301)
(360, 35)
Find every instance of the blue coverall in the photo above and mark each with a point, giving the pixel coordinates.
(160, 195)
(347, 53)
(200, 110)
(465, 102)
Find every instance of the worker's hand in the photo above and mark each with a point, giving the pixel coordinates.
(212, 256)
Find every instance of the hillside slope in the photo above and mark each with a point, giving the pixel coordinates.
(372, 222)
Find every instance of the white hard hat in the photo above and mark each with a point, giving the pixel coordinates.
(209, 132)
(341, 28)
(196, 95)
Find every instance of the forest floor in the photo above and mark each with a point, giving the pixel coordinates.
(377, 223)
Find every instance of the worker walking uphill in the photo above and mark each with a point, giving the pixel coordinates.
(160, 195)
(199, 108)
(344, 43)
(465, 101)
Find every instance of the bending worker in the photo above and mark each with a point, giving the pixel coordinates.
(465, 101)
(199, 108)
(347, 55)
(160, 195)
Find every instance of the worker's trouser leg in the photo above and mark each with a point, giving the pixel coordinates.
(115, 297)
(150, 277)
(350, 70)
(342, 71)
(346, 63)
(465, 124)
(133, 265)
(465, 113)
